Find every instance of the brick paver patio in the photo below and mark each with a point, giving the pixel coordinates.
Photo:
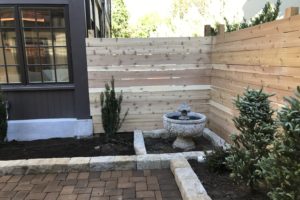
(111, 185)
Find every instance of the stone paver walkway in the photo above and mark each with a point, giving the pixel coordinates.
(111, 185)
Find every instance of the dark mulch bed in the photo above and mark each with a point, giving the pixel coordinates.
(221, 187)
(165, 145)
(68, 147)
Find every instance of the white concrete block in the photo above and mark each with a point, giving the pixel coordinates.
(179, 163)
(139, 143)
(193, 154)
(149, 161)
(36, 129)
(166, 159)
(48, 165)
(79, 164)
(17, 167)
(215, 139)
(125, 162)
(102, 163)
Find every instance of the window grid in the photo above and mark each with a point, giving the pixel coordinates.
(5, 30)
(53, 60)
(47, 47)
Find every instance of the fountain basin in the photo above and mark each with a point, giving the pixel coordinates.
(184, 128)
(192, 127)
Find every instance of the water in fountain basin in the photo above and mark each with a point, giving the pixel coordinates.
(177, 117)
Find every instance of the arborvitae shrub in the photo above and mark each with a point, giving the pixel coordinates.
(111, 110)
(281, 168)
(215, 160)
(257, 129)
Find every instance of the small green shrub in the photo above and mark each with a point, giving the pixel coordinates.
(281, 168)
(257, 129)
(3, 118)
(111, 110)
(216, 160)
(269, 13)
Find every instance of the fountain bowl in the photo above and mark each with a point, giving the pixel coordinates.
(192, 127)
(185, 125)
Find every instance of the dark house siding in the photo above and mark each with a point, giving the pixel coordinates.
(69, 100)
(41, 104)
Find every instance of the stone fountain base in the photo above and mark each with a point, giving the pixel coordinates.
(185, 143)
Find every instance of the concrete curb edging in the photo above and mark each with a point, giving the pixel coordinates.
(216, 140)
(101, 163)
(139, 143)
(187, 181)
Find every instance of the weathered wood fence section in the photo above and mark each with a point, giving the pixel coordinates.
(156, 75)
(266, 55)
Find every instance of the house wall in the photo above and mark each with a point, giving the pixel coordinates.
(35, 101)
(156, 75)
(265, 55)
(41, 111)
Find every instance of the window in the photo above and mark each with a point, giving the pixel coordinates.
(9, 58)
(42, 56)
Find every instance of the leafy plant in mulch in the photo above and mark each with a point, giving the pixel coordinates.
(257, 129)
(281, 167)
(3, 118)
(216, 160)
(269, 13)
(111, 110)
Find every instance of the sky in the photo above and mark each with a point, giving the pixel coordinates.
(138, 8)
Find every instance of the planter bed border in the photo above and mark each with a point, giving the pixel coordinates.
(140, 147)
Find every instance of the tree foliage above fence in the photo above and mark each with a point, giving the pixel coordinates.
(120, 18)
(269, 13)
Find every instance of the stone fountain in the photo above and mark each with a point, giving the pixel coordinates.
(185, 125)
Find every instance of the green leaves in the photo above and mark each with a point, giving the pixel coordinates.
(111, 110)
(281, 167)
(257, 129)
(120, 19)
(268, 14)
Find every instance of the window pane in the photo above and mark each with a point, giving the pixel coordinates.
(9, 37)
(11, 56)
(59, 37)
(43, 17)
(34, 74)
(1, 57)
(14, 75)
(58, 18)
(49, 74)
(31, 37)
(2, 75)
(61, 55)
(46, 56)
(62, 73)
(28, 17)
(45, 37)
(32, 55)
(7, 16)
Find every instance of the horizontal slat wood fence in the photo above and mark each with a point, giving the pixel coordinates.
(266, 55)
(156, 75)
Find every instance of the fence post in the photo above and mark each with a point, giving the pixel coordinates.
(291, 12)
(207, 30)
(221, 29)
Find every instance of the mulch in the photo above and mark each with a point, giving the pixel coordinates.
(122, 144)
(221, 187)
(159, 145)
